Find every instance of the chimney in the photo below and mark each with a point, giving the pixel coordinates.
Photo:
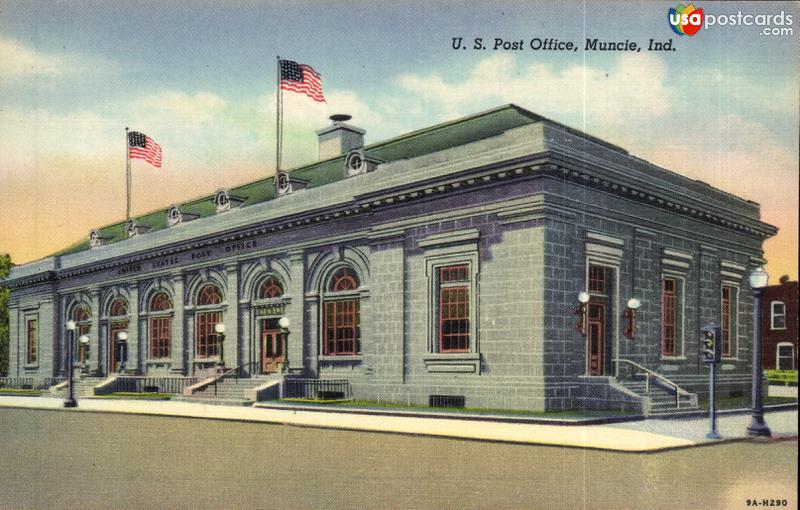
(339, 138)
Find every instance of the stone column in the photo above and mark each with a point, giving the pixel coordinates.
(294, 311)
(59, 363)
(134, 343)
(48, 328)
(95, 337)
(13, 341)
(231, 317)
(246, 351)
(178, 349)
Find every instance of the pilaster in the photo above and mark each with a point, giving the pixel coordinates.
(231, 320)
(94, 332)
(294, 312)
(14, 340)
(177, 349)
(135, 348)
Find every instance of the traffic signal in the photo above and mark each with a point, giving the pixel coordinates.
(711, 346)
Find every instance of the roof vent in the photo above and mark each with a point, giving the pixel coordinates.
(97, 239)
(339, 138)
(134, 228)
(224, 201)
(175, 216)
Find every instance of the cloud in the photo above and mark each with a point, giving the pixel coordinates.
(16, 59)
(187, 110)
(631, 89)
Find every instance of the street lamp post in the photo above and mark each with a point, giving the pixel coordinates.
(757, 427)
(122, 337)
(69, 399)
(84, 341)
(284, 323)
(219, 329)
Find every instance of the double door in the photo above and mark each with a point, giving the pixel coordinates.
(272, 345)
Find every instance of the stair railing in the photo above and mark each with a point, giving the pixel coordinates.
(649, 373)
(237, 371)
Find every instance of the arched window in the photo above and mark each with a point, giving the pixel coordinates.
(270, 288)
(82, 317)
(341, 315)
(81, 313)
(343, 280)
(160, 326)
(119, 308)
(209, 295)
(206, 339)
(160, 302)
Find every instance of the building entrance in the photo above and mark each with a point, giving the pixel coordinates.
(271, 345)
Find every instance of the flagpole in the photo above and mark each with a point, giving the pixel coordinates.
(278, 120)
(127, 177)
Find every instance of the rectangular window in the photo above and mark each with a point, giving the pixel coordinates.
(669, 316)
(160, 337)
(777, 315)
(785, 355)
(207, 340)
(342, 328)
(728, 319)
(453, 308)
(33, 355)
(597, 279)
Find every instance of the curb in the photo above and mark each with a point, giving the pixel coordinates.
(493, 418)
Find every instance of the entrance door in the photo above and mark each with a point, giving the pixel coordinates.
(271, 345)
(115, 354)
(596, 338)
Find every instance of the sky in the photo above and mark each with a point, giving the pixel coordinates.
(199, 78)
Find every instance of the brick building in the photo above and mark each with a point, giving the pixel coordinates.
(442, 266)
(779, 325)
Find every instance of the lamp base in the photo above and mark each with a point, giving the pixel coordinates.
(713, 435)
(70, 403)
(758, 428)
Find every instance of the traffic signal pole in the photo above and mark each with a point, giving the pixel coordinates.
(712, 404)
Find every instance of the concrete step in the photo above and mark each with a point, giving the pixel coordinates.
(215, 401)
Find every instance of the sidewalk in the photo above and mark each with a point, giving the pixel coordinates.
(631, 436)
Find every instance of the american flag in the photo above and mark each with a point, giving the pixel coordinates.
(141, 146)
(301, 78)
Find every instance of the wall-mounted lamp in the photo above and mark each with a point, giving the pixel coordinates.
(630, 314)
(219, 329)
(580, 311)
(284, 323)
(122, 340)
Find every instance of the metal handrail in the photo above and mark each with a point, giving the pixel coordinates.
(649, 373)
(225, 374)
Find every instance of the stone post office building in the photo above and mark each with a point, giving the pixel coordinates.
(443, 264)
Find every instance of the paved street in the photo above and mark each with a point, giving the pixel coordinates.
(56, 459)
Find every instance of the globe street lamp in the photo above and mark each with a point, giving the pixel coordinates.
(69, 399)
(219, 329)
(757, 427)
(122, 337)
(84, 341)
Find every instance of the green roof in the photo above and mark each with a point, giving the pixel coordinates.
(417, 143)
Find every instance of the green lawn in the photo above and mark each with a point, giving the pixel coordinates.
(18, 392)
(745, 402)
(139, 396)
(363, 404)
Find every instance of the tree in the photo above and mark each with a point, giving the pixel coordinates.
(5, 268)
